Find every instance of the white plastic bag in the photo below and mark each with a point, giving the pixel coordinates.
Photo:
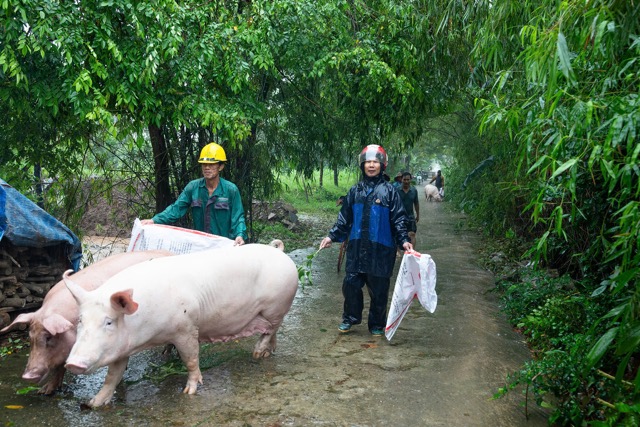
(416, 279)
(173, 239)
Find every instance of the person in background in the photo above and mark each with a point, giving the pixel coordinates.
(409, 197)
(373, 218)
(215, 203)
(397, 181)
(439, 179)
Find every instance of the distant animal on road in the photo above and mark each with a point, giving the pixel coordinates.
(431, 193)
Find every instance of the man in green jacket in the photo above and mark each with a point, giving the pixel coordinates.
(215, 203)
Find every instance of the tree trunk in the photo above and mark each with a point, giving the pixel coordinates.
(161, 167)
(243, 178)
(336, 175)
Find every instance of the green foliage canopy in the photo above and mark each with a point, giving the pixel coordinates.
(566, 92)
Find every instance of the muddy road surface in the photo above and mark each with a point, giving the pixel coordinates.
(440, 369)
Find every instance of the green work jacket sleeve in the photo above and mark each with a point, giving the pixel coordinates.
(180, 207)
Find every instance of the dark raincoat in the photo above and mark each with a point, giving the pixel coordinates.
(374, 219)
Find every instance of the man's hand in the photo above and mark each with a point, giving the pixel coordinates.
(239, 241)
(147, 222)
(326, 242)
(407, 246)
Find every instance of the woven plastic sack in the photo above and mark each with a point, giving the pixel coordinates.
(173, 239)
(416, 279)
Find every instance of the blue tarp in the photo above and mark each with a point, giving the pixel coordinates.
(25, 224)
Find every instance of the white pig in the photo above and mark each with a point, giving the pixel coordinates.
(431, 193)
(213, 295)
(52, 328)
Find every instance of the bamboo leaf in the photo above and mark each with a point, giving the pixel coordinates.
(600, 347)
(564, 57)
(566, 165)
(537, 164)
(558, 220)
(599, 290)
(630, 341)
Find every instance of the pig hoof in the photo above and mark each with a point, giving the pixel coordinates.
(192, 384)
(262, 354)
(97, 402)
(47, 390)
(190, 389)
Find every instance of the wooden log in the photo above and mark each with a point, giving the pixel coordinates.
(13, 302)
(5, 318)
(54, 278)
(39, 289)
(10, 280)
(44, 270)
(22, 291)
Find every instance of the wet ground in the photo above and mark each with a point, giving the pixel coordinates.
(440, 369)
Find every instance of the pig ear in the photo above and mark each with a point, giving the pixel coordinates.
(123, 302)
(56, 324)
(22, 319)
(78, 292)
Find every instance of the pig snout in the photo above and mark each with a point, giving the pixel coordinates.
(34, 375)
(77, 367)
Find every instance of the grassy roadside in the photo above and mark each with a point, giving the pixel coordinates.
(557, 316)
(315, 205)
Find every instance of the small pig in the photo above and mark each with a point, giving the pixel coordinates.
(52, 328)
(214, 295)
(431, 193)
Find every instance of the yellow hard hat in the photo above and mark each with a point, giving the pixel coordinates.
(212, 153)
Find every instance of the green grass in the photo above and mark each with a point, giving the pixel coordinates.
(316, 206)
(211, 355)
(307, 195)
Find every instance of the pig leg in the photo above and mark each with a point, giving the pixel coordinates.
(188, 347)
(54, 381)
(265, 346)
(113, 378)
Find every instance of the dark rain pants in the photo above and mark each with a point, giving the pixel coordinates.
(378, 288)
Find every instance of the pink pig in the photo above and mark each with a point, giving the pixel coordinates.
(213, 295)
(431, 193)
(52, 328)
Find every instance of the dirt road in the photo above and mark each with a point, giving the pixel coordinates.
(440, 369)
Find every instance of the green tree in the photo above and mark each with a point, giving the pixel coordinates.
(562, 81)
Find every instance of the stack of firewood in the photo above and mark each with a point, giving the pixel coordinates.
(27, 274)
